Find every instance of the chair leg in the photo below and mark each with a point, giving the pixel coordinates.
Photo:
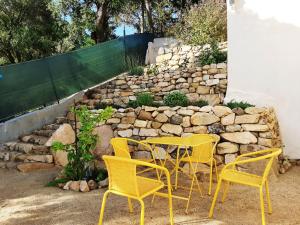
(190, 194)
(225, 191)
(268, 197)
(262, 206)
(170, 206)
(211, 211)
(210, 177)
(130, 205)
(216, 169)
(102, 207)
(142, 212)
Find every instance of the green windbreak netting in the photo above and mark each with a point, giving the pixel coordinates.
(27, 86)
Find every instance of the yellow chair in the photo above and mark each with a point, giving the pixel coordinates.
(123, 181)
(203, 153)
(231, 174)
(121, 149)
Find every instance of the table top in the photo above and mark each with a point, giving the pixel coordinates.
(179, 141)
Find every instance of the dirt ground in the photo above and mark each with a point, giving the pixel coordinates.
(24, 200)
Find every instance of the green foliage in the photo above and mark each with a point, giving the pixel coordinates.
(202, 24)
(79, 155)
(212, 55)
(144, 98)
(152, 70)
(234, 104)
(102, 175)
(137, 70)
(55, 182)
(28, 30)
(176, 98)
(200, 103)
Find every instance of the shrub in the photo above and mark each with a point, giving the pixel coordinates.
(176, 98)
(79, 154)
(137, 70)
(234, 104)
(102, 175)
(144, 98)
(200, 103)
(152, 70)
(203, 24)
(212, 55)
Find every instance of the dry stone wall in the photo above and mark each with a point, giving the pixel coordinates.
(241, 131)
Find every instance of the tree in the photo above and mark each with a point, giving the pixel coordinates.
(28, 30)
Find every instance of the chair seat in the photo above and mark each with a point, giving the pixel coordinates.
(241, 177)
(148, 186)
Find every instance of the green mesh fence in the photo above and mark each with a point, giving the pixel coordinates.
(27, 86)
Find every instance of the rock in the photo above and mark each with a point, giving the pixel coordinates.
(240, 137)
(123, 126)
(67, 185)
(229, 158)
(140, 123)
(228, 120)
(169, 113)
(233, 128)
(156, 125)
(113, 121)
(84, 187)
(40, 158)
(266, 134)
(141, 155)
(23, 147)
(75, 186)
(144, 132)
(199, 129)
(143, 115)
(212, 82)
(250, 148)
(150, 109)
(254, 110)
(128, 120)
(186, 121)
(185, 112)
(64, 134)
(103, 183)
(265, 142)
(216, 128)
(28, 167)
(221, 111)
(238, 111)
(255, 127)
(192, 97)
(227, 148)
(206, 108)
(159, 153)
(200, 118)
(172, 129)
(162, 118)
(103, 147)
(176, 119)
(203, 90)
(220, 76)
(92, 185)
(125, 133)
(60, 158)
(247, 118)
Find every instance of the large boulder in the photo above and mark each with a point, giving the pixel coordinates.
(105, 134)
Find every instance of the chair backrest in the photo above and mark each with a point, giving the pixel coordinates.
(120, 146)
(270, 157)
(121, 175)
(205, 152)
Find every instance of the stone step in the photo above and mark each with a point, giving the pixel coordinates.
(8, 165)
(61, 120)
(35, 139)
(34, 158)
(33, 166)
(44, 132)
(53, 127)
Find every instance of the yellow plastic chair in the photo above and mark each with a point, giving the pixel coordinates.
(123, 181)
(203, 153)
(231, 174)
(121, 149)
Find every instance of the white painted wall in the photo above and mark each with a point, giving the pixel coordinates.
(264, 61)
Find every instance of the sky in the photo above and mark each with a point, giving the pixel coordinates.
(128, 30)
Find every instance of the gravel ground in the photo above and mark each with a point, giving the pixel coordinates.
(24, 200)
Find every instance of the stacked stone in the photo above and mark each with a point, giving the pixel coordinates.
(207, 83)
(241, 131)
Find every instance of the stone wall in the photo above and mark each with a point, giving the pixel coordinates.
(241, 131)
(208, 83)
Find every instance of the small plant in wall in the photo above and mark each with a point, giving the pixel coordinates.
(80, 157)
(176, 98)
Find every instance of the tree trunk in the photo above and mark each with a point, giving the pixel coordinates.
(149, 15)
(101, 33)
(143, 17)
